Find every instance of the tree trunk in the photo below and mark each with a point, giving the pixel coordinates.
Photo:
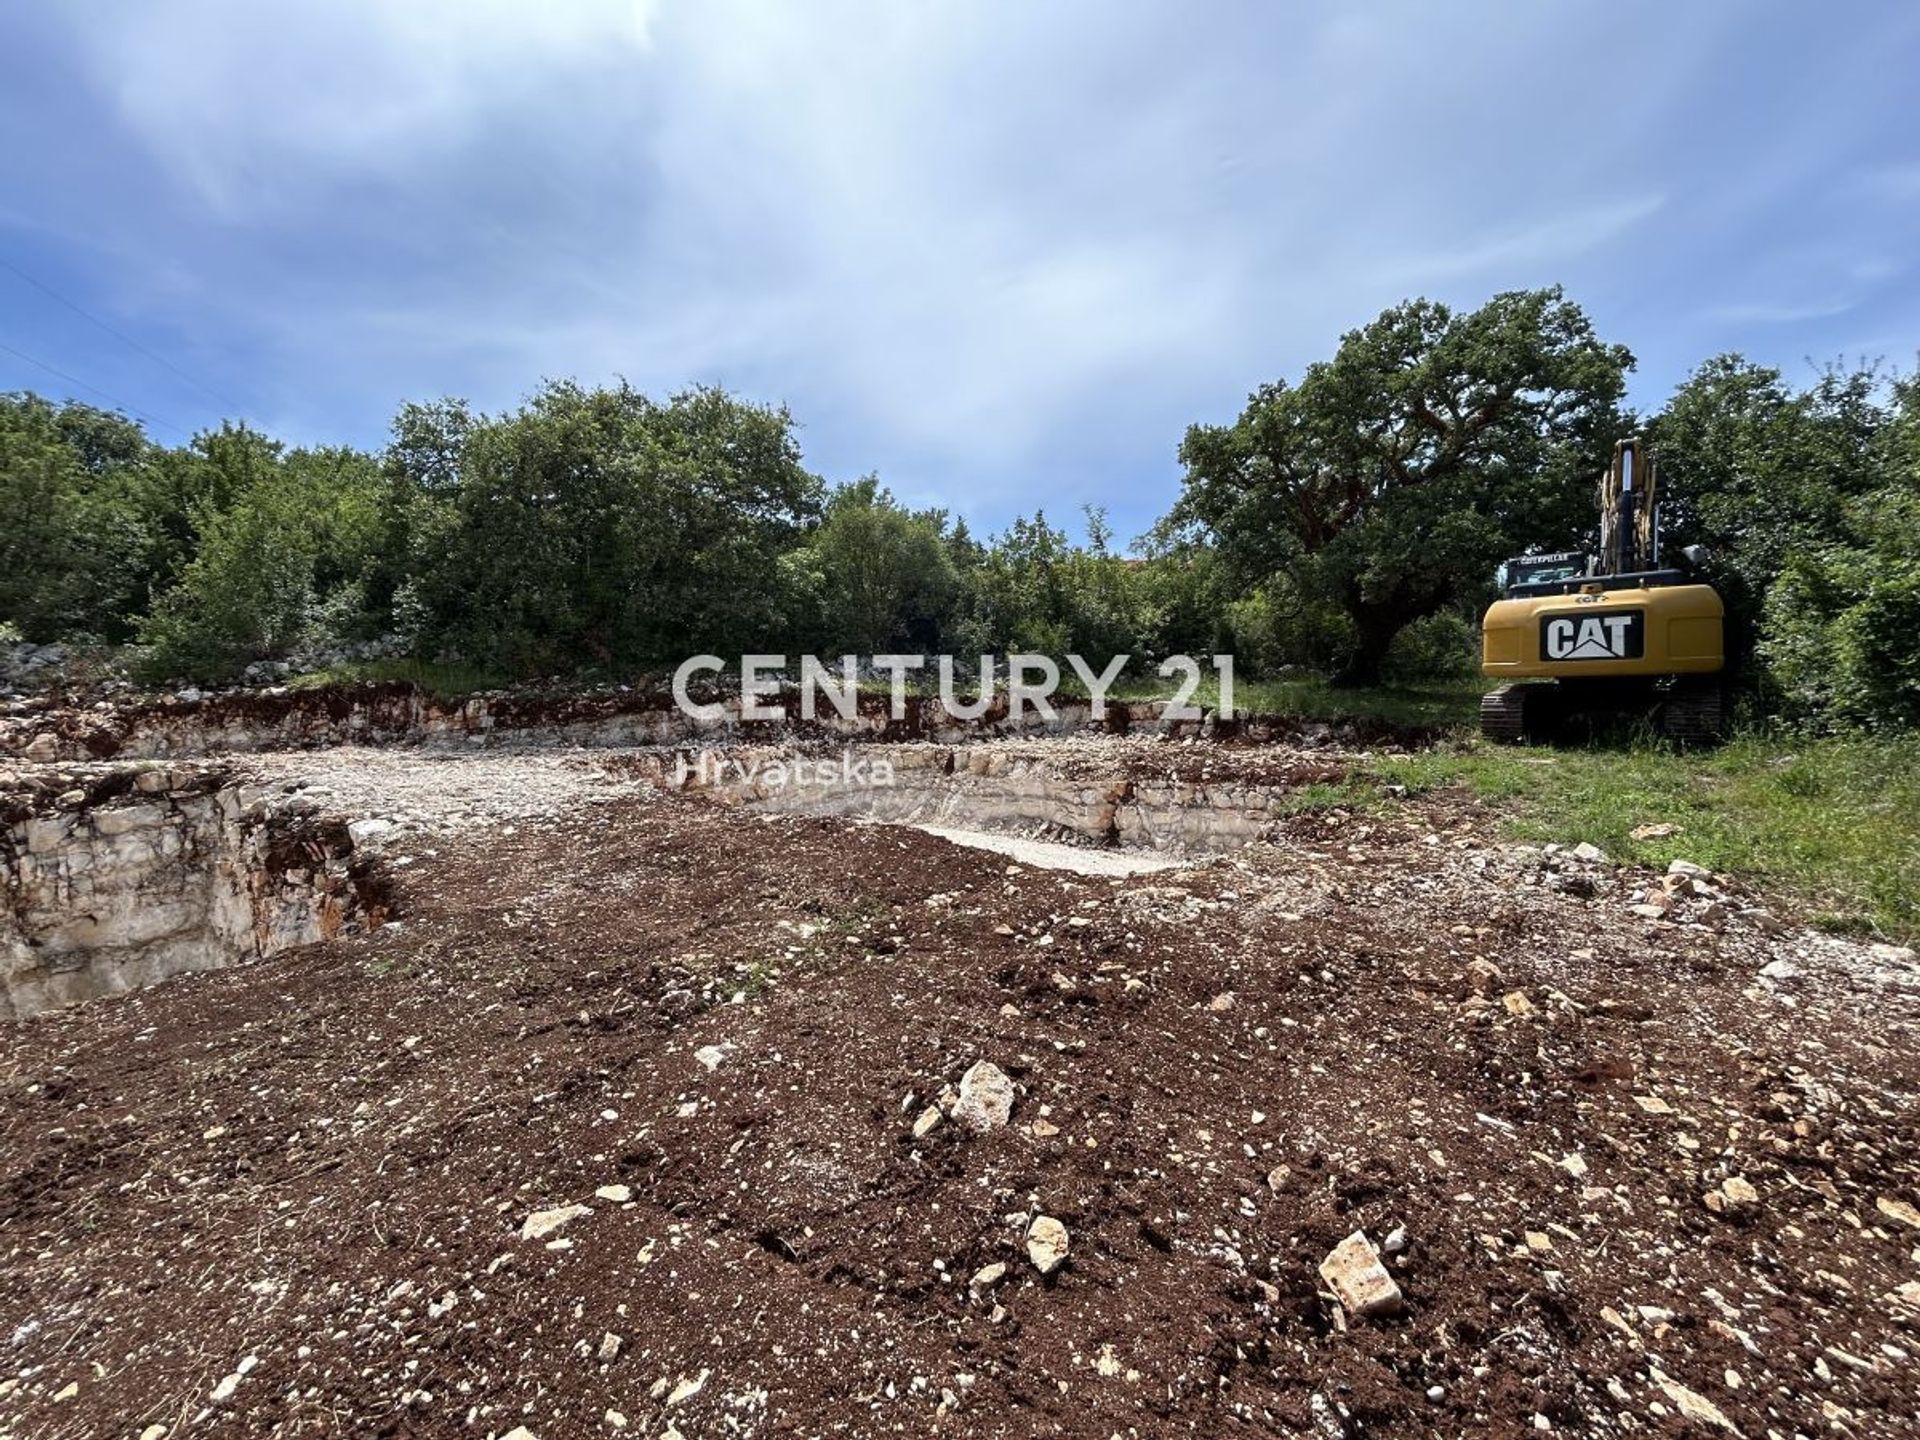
(1374, 627)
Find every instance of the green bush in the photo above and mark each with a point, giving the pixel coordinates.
(1435, 647)
(1840, 626)
(244, 597)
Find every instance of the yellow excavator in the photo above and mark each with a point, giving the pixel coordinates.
(1578, 638)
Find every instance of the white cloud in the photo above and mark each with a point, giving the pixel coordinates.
(1002, 252)
(241, 99)
(1524, 248)
(1779, 313)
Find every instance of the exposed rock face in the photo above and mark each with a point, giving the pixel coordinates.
(174, 872)
(1009, 787)
(191, 723)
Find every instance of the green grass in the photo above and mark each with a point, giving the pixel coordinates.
(1315, 698)
(1832, 824)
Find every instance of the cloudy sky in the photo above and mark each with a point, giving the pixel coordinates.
(1000, 253)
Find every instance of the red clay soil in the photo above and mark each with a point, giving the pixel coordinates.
(287, 1199)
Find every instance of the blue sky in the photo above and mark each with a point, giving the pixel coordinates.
(1000, 253)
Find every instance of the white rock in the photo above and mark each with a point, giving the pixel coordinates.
(1688, 870)
(1694, 1407)
(542, 1223)
(710, 1056)
(1589, 853)
(362, 832)
(1355, 1275)
(687, 1389)
(986, 1097)
(616, 1194)
(1047, 1242)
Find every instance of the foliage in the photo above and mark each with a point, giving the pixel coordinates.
(288, 546)
(1392, 479)
(1346, 523)
(601, 527)
(882, 578)
(1761, 474)
(75, 531)
(1840, 624)
(1439, 647)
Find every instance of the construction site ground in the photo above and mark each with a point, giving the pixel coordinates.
(638, 1118)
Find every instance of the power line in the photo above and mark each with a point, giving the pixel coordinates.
(96, 390)
(121, 336)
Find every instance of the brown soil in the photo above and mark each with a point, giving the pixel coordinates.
(299, 1185)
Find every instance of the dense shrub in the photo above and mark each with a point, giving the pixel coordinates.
(1840, 624)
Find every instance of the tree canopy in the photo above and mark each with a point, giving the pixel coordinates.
(1391, 479)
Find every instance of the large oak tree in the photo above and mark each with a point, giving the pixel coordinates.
(1393, 478)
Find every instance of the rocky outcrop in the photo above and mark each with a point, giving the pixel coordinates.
(1008, 787)
(130, 876)
(192, 724)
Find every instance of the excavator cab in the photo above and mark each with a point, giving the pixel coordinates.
(1577, 637)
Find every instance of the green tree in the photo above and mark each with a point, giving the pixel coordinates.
(1393, 478)
(283, 541)
(1840, 631)
(601, 526)
(1760, 473)
(75, 531)
(886, 577)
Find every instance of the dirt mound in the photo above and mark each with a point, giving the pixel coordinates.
(638, 1121)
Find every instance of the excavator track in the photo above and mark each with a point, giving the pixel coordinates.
(1503, 713)
(1694, 713)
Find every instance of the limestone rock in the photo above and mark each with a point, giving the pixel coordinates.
(366, 832)
(1900, 1210)
(616, 1194)
(1047, 1243)
(1736, 1196)
(542, 1223)
(988, 1276)
(1355, 1274)
(44, 747)
(986, 1097)
(1693, 1406)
